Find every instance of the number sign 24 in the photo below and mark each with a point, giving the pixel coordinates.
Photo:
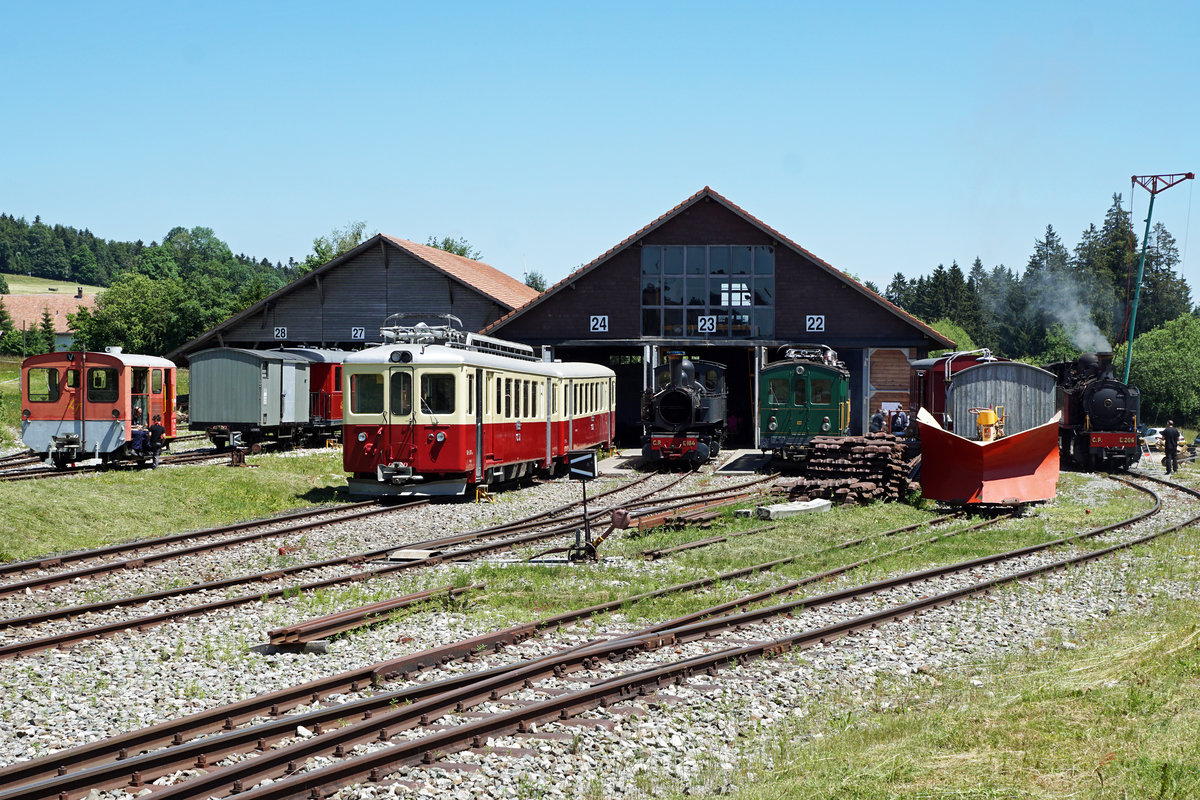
(598, 324)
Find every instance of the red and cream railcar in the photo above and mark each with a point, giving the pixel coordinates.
(438, 411)
(77, 405)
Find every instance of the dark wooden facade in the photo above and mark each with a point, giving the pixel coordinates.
(343, 304)
(854, 320)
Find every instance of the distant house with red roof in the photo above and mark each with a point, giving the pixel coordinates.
(26, 311)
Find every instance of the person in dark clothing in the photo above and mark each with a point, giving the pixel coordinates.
(900, 423)
(157, 431)
(1170, 436)
(877, 421)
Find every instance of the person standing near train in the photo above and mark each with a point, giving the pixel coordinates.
(1170, 436)
(157, 431)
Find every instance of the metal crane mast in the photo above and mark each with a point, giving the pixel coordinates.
(1152, 184)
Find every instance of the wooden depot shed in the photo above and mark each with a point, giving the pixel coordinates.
(343, 303)
(712, 280)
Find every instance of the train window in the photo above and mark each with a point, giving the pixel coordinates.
(337, 379)
(470, 394)
(102, 385)
(554, 400)
(499, 397)
(366, 393)
(139, 381)
(43, 385)
(778, 391)
(508, 398)
(822, 391)
(72, 379)
(801, 392)
(400, 393)
(156, 381)
(437, 393)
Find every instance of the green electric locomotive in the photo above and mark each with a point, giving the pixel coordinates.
(802, 395)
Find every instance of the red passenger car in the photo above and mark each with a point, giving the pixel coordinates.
(438, 410)
(94, 405)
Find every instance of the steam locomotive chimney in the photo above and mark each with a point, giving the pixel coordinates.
(1105, 364)
(675, 360)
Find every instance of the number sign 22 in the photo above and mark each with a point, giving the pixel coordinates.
(814, 323)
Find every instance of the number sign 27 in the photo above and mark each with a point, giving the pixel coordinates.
(814, 323)
(598, 324)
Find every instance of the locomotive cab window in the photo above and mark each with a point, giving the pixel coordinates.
(779, 392)
(43, 385)
(366, 393)
(437, 393)
(102, 385)
(156, 381)
(821, 391)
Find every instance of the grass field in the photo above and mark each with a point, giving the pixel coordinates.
(25, 284)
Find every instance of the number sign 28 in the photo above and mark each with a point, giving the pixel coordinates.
(280, 332)
(598, 324)
(814, 323)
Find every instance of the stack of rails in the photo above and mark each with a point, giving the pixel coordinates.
(852, 469)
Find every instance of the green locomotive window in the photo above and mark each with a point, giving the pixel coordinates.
(822, 391)
(366, 393)
(43, 385)
(102, 385)
(779, 392)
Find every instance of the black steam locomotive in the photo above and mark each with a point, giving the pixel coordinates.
(684, 416)
(1098, 429)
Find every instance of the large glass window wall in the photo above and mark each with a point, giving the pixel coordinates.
(708, 291)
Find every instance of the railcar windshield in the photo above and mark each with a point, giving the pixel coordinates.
(821, 391)
(43, 385)
(102, 385)
(437, 393)
(366, 393)
(778, 391)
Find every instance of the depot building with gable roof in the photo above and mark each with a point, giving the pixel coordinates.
(709, 279)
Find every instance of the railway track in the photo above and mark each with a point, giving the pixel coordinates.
(484, 541)
(27, 474)
(369, 737)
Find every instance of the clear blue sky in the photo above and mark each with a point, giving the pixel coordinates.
(882, 137)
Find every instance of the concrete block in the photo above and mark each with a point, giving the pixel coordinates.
(781, 510)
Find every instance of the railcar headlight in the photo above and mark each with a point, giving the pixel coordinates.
(362, 436)
(441, 437)
(26, 413)
(772, 425)
(116, 413)
(825, 424)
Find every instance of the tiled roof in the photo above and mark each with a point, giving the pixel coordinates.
(26, 309)
(697, 197)
(502, 288)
